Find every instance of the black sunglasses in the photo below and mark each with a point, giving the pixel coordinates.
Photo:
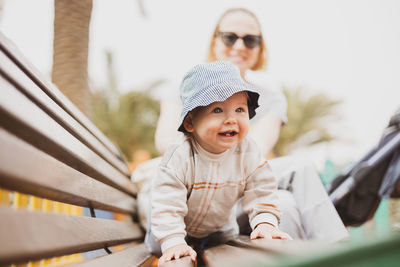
(230, 38)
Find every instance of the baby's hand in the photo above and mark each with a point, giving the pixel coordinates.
(176, 252)
(268, 231)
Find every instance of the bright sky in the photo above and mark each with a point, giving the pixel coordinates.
(349, 49)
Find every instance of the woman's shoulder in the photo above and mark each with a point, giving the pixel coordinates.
(263, 81)
(272, 99)
(270, 89)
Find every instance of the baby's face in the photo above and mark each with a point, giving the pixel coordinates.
(221, 125)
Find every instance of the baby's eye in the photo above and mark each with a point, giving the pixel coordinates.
(239, 110)
(217, 110)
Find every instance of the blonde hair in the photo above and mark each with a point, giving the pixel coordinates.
(262, 56)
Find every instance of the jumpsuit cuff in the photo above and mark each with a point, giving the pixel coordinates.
(264, 218)
(171, 241)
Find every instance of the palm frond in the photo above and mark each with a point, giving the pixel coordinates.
(308, 118)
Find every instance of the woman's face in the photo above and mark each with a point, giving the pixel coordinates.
(241, 24)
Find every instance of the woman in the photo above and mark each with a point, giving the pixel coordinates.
(307, 210)
(225, 45)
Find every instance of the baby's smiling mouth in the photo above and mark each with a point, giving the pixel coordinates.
(228, 133)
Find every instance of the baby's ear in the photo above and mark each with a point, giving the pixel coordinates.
(188, 122)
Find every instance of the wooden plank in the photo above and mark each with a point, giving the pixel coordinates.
(181, 262)
(32, 235)
(261, 252)
(134, 255)
(33, 92)
(26, 169)
(278, 246)
(50, 89)
(226, 255)
(22, 117)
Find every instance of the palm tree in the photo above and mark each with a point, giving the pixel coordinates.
(307, 120)
(70, 55)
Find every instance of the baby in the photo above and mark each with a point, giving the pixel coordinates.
(203, 176)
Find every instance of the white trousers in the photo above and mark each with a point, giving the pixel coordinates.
(308, 213)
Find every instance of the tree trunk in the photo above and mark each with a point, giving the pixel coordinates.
(70, 54)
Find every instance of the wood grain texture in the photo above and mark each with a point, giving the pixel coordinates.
(35, 235)
(181, 262)
(29, 122)
(33, 92)
(278, 246)
(51, 90)
(26, 169)
(226, 255)
(135, 255)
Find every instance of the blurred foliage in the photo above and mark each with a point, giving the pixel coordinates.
(308, 119)
(130, 125)
(129, 119)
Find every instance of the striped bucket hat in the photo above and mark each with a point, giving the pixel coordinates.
(214, 82)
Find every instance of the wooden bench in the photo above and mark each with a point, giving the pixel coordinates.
(54, 161)
(51, 151)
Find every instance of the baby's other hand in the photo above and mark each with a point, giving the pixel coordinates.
(268, 231)
(176, 252)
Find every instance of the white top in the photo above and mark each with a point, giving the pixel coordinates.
(272, 101)
(196, 192)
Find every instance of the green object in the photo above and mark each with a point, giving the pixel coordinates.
(329, 173)
(381, 217)
(357, 234)
(381, 253)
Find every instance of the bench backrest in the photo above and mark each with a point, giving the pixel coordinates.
(49, 150)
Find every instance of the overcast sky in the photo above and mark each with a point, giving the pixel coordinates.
(349, 49)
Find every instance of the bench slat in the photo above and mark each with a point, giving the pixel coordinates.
(31, 123)
(30, 89)
(50, 89)
(226, 255)
(278, 246)
(181, 262)
(33, 235)
(54, 180)
(132, 256)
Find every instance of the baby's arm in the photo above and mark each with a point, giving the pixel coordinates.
(268, 231)
(176, 252)
(260, 200)
(169, 207)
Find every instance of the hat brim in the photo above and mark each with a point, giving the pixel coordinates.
(219, 93)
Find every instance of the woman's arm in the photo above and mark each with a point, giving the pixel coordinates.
(167, 125)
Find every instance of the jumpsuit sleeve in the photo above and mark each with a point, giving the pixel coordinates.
(168, 208)
(260, 199)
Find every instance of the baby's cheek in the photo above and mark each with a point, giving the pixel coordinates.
(244, 127)
(213, 128)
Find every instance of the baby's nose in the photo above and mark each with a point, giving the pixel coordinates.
(230, 119)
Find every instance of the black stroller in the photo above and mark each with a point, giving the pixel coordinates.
(357, 192)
